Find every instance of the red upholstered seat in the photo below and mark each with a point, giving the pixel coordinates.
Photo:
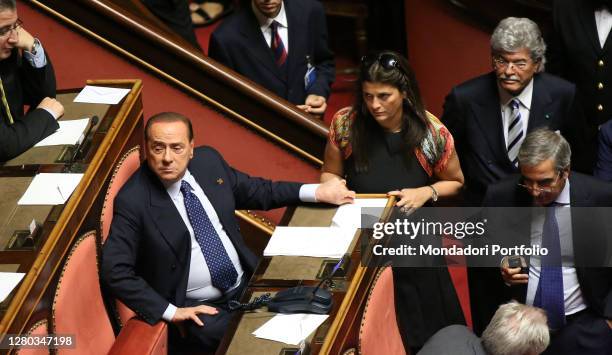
(379, 332)
(127, 165)
(77, 306)
(78, 309)
(38, 328)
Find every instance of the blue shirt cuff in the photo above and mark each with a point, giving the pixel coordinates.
(169, 313)
(307, 192)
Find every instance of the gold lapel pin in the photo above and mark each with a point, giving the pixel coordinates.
(219, 181)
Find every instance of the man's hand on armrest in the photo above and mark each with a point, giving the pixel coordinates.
(187, 313)
(334, 191)
(52, 106)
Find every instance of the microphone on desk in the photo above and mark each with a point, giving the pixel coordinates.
(80, 146)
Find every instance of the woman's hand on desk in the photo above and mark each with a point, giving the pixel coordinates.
(412, 198)
(191, 313)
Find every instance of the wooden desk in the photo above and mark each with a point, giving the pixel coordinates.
(120, 128)
(340, 330)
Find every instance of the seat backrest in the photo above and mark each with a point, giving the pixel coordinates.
(78, 307)
(37, 329)
(379, 332)
(127, 165)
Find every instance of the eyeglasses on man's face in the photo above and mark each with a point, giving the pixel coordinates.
(502, 64)
(385, 60)
(541, 186)
(7, 30)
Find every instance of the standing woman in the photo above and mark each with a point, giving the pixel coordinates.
(386, 143)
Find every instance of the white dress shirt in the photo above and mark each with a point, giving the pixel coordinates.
(574, 302)
(265, 22)
(199, 283)
(603, 21)
(524, 108)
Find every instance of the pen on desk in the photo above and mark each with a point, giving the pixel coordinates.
(60, 192)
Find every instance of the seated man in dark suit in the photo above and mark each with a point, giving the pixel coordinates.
(174, 251)
(282, 46)
(515, 329)
(603, 169)
(572, 282)
(490, 115)
(26, 78)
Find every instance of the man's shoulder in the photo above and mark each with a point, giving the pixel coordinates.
(473, 88)
(231, 26)
(600, 191)
(606, 130)
(503, 193)
(303, 7)
(555, 84)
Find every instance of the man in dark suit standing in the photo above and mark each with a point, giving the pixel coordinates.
(581, 52)
(26, 78)
(490, 115)
(282, 46)
(603, 169)
(174, 251)
(572, 282)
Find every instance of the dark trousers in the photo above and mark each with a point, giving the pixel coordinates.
(585, 333)
(207, 337)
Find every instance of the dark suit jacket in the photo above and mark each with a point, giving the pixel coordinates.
(576, 55)
(147, 255)
(603, 170)
(472, 113)
(591, 240)
(453, 340)
(25, 85)
(239, 44)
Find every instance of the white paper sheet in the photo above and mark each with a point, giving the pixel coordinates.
(50, 189)
(101, 95)
(349, 215)
(323, 242)
(290, 328)
(70, 132)
(8, 281)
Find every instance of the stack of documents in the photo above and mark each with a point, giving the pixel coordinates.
(349, 215)
(50, 189)
(69, 133)
(8, 281)
(323, 242)
(290, 328)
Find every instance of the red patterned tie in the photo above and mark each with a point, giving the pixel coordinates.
(278, 47)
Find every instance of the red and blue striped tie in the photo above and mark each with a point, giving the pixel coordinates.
(278, 47)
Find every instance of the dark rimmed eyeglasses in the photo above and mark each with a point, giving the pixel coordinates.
(4, 31)
(542, 186)
(386, 60)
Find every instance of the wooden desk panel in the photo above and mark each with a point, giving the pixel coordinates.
(340, 331)
(120, 128)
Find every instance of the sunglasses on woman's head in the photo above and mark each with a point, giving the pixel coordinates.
(385, 60)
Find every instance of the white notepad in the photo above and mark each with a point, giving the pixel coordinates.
(50, 189)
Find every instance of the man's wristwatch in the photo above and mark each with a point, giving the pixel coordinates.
(434, 193)
(34, 46)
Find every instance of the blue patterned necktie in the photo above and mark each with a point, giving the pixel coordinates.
(549, 294)
(222, 271)
(515, 132)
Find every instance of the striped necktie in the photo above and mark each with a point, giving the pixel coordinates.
(277, 45)
(5, 104)
(515, 132)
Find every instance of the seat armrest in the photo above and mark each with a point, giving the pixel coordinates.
(139, 337)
